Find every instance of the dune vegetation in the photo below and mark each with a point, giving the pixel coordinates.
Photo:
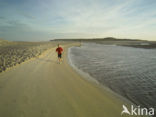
(13, 53)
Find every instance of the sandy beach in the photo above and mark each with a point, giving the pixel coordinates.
(43, 88)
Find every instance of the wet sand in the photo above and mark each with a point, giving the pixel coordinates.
(43, 88)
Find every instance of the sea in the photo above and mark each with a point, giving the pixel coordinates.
(127, 71)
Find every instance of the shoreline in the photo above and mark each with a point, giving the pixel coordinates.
(91, 79)
(118, 73)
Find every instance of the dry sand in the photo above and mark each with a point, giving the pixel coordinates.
(43, 88)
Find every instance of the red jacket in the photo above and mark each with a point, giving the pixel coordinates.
(59, 50)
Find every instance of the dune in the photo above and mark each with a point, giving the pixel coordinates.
(3, 42)
(13, 53)
(43, 88)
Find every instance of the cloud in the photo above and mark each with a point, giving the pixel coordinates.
(93, 18)
(79, 18)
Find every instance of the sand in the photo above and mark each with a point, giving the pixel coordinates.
(43, 88)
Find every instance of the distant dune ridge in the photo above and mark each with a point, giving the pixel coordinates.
(3, 42)
(137, 43)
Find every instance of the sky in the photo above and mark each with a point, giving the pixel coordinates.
(37, 20)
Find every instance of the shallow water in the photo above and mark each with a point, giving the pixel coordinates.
(130, 72)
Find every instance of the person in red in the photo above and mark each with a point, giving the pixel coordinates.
(59, 50)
